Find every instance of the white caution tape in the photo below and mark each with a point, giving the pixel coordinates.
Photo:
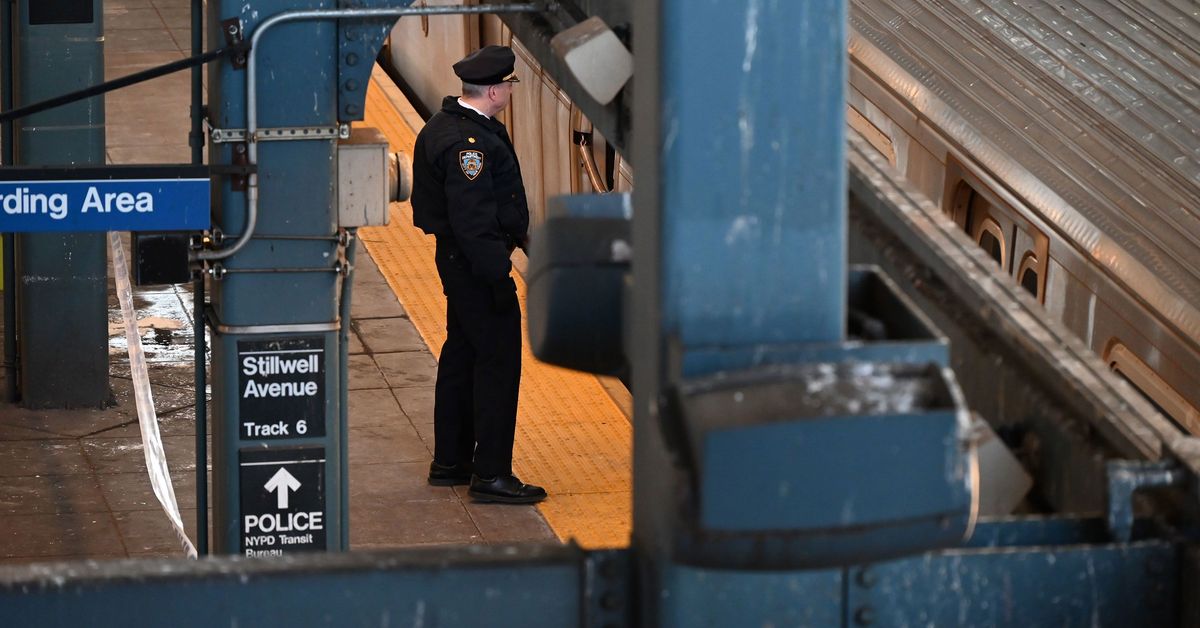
(156, 459)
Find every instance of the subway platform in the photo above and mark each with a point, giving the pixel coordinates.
(73, 483)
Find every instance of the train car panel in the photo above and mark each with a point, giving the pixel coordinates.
(624, 179)
(1059, 289)
(423, 49)
(926, 171)
(874, 125)
(892, 108)
(525, 127)
(560, 172)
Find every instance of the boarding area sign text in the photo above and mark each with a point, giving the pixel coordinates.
(113, 198)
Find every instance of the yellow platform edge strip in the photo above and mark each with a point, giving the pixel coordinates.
(572, 437)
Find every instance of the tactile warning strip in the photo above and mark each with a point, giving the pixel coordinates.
(571, 437)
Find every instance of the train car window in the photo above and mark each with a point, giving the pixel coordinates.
(1028, 274)
(1129, 366)
(959, 207)
(1002, 230)
(991, 240)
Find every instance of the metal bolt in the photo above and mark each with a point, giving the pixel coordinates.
(866, 578)
(351, 59)
(352, 109)
(864, 616)
(233, 29)
(351, 85)
(351, 34)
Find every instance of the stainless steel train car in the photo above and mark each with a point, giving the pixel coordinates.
(1063, 138)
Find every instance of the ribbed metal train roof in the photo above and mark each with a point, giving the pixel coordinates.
(1090, 111)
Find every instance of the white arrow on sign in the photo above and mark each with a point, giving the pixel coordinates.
(281, 483)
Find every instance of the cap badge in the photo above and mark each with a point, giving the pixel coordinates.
(471, 140)
(471, 162)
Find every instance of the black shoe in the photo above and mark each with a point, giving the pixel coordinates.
(506, 489)
(452, 475)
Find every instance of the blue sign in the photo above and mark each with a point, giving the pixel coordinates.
(120, 201)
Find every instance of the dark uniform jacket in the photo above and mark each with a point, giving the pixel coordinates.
(467, 188)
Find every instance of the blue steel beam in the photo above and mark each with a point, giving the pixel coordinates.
(752, 194)
(297, 182)
(61, 279)
(475, 586)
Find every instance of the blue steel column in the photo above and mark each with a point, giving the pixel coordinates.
(61, 277)
(740, 217)
(296, 88)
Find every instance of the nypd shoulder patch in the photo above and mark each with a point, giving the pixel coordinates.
(471, 162)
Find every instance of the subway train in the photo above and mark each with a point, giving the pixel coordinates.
(1062, 138)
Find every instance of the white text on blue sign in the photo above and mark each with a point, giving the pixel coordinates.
(105, 205)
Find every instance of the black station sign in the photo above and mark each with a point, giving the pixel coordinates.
(281, 388)
(283, 500)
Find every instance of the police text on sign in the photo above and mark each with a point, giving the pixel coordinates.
(282, 500)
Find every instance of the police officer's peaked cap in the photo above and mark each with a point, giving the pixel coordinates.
(488, 66)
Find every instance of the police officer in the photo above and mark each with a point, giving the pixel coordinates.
(467, 192)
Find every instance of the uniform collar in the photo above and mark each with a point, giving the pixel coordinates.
(452, 105)
(466, 105)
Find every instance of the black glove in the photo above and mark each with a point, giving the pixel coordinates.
(504, 294)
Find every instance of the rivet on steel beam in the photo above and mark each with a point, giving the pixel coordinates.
(351, 85)
(864, 616)
(866, 578)
(351, 59)
(352, 109)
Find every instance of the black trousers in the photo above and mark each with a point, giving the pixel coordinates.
(479, 371)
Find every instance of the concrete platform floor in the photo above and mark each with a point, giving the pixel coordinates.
(73, 483)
